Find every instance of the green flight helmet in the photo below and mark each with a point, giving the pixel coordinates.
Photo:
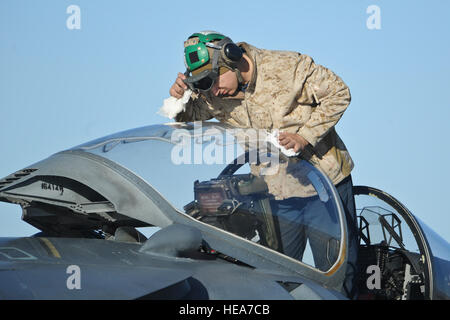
(207, 55)
(196, 53)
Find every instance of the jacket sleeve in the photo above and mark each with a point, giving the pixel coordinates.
(197, 109)
(331, 98)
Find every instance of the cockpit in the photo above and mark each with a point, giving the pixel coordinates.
(234, 180)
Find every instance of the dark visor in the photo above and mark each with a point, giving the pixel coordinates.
(204, 81)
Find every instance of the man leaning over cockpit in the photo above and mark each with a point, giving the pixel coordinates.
(248, 87)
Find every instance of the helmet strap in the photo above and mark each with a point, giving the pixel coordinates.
(217, 56)
(239, 77)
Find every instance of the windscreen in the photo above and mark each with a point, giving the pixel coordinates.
(236, 181)
(440, 249)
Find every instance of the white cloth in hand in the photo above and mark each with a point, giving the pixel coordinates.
(173, 106)
(272, 137)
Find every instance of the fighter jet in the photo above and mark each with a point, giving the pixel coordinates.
(186, 211)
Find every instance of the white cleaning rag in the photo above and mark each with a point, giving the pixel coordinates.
(173, 106)
(272, 137)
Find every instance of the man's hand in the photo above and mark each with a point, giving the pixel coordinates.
(178, 88)
(292, 141)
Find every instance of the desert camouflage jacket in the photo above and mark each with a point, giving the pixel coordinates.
(288, 91)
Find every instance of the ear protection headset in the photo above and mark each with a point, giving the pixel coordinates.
(229, 53)
(225, 54)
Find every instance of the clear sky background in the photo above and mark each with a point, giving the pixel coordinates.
(61, 87)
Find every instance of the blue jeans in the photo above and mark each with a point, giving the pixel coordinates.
(308, 219)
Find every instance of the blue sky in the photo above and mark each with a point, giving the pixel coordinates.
(61, 87)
